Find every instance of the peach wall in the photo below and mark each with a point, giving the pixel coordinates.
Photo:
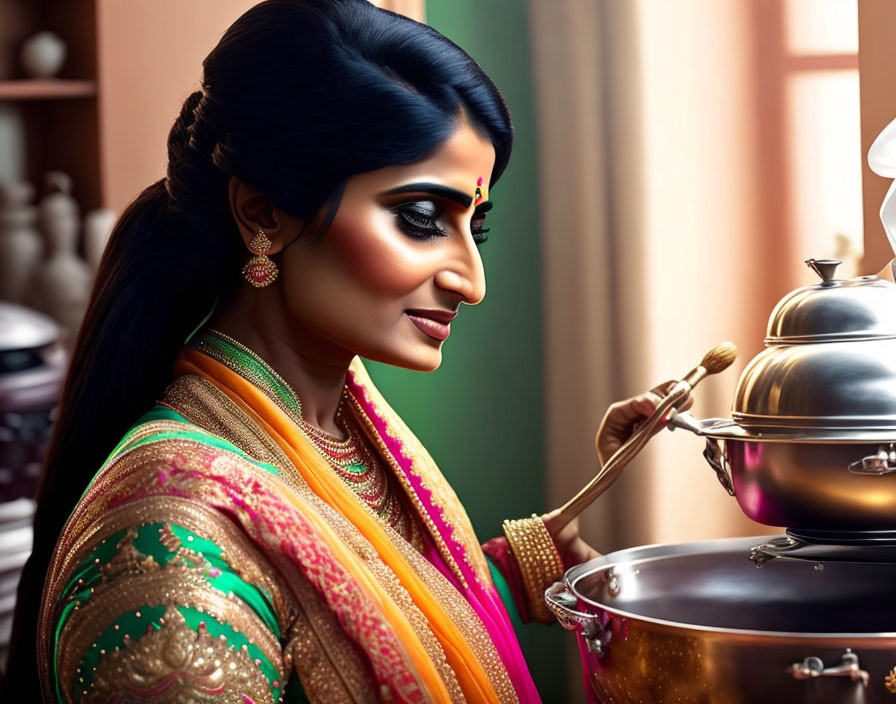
(707, 267)
(150, 56)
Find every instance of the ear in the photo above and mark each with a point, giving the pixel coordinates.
(253, 211)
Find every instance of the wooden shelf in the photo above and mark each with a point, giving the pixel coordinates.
(46, 89)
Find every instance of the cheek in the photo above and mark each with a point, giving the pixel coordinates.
(378, 257)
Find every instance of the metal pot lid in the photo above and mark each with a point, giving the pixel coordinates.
(834, 310)
(22, 328)
(811, 389)
(829, 370)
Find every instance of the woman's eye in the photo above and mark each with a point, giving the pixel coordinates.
(419, 220)
(478, 229)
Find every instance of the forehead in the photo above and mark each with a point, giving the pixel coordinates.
(458, 162)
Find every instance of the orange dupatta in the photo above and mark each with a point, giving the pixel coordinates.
(316, 473)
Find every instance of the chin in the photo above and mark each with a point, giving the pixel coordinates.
(425, 361)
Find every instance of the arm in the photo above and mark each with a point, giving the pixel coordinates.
(159, 610)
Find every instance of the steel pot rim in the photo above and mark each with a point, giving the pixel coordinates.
(734, 429)
(577, 573)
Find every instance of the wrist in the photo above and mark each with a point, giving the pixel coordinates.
(538, 559)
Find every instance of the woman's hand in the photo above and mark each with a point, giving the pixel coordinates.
(620, 421)
(624, 417)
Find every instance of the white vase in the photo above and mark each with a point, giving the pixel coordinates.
(61, 284)
(98, 226)
(21, 247)
(12, 143)
(42, 55)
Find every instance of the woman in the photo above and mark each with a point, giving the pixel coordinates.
(263, 526)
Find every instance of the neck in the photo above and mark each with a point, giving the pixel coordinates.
(315, 368)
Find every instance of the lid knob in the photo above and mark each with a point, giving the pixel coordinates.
(825, 268)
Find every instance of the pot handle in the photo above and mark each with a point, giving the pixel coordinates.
(563, 605)
(714, 452)
(715, 447)
(884, 462)
(813, 667)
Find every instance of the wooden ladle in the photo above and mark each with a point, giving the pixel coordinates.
(716, 360)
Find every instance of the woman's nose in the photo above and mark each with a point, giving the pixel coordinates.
(463, 272)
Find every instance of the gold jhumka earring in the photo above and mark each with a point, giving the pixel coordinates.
(260, 271)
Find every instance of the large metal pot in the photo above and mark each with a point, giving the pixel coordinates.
(32, 366)
(698, 623)
(811, 443)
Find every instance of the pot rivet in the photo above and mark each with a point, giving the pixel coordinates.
(890, 681)
(819, 567)
(613, 588)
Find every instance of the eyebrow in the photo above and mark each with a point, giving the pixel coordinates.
(435, 189)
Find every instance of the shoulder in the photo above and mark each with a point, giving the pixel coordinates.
(150, 574)
(163, 593)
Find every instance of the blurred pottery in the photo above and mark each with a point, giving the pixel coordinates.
(21, 247)
(43, 55)
(98, 226)
(12, 142)
(61, 284)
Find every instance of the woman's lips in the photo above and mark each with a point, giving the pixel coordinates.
(436, 323)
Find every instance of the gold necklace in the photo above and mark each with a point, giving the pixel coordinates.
(364, 473)
(352, 458)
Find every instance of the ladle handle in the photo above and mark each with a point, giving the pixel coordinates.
(617, 462)
(717, 359)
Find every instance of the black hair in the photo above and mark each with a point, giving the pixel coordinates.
(298, 96)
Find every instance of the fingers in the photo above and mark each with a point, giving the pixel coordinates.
(686, 404)
(664, 388)
(625, 417)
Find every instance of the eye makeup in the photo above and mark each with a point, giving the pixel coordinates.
(419, 219)
(478, 220)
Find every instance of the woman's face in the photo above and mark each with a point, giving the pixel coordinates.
(399, 258)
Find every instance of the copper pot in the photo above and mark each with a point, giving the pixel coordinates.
(698, 623)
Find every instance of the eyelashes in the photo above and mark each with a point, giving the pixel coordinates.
(420, 220)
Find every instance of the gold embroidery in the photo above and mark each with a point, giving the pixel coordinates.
(172, 585)
(237, 550)
(240, 429)
(203, 403)
(330, 667)
(176, 664)
(206, 473)
(210, 409)
(128, 558)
